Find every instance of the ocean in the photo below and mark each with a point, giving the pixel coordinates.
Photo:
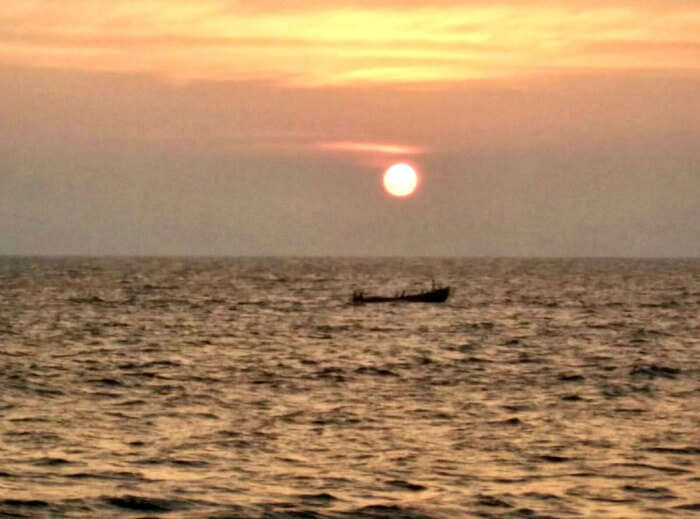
(253, 388)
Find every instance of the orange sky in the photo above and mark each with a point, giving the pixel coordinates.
(340, 42)
(538, 127)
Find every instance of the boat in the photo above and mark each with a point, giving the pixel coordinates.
(434, 295)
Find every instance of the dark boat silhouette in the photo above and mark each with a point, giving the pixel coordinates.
(435, 295)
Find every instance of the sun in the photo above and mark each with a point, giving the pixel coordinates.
(400, 180)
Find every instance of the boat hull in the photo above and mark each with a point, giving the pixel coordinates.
(437, 295)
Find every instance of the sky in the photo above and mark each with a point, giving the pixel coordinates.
(218, 127)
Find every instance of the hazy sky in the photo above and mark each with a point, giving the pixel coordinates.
(264, 127)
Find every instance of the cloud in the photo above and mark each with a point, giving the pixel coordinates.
(372, 147)
(309, 43)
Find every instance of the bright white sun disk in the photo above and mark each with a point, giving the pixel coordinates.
(400, 180)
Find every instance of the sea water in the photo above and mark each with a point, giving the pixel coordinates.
(253, 388)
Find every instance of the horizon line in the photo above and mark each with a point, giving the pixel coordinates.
(336, 256)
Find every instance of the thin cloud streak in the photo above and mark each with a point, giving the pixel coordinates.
(372, 147)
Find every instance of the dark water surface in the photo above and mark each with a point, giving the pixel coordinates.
(252, 388)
